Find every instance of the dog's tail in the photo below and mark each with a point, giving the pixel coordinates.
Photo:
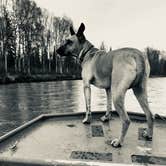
(147, 66)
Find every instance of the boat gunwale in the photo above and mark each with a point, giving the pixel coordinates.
(6, 161)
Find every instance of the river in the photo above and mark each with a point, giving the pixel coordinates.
(20, 103)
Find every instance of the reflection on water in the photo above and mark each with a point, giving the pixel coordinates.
(22, 102)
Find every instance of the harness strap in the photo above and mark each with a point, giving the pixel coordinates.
(84, 52)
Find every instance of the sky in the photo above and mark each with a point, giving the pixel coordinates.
(119, 23)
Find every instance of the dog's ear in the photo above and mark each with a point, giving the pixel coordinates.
(72, 31)
(81, 29)
(80, 33)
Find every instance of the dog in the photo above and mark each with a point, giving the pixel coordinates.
(116, 72)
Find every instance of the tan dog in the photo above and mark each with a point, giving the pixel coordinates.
(116, 72)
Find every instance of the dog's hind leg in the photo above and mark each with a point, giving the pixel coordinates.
(118, 100)
(121, 81)
(141, 95)
(107, 116)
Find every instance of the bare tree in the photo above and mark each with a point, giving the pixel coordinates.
(102, 46)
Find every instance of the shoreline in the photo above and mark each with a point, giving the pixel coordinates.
(21, 78)
(13, 79)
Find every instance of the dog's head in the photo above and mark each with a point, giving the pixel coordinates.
(74, 44)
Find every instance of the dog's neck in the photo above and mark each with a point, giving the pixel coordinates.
(87, 49)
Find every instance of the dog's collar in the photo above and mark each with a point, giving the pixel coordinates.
(84, 52)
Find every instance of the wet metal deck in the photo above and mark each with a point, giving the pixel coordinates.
(64, 137)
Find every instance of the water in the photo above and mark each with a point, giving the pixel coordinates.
(20, 103)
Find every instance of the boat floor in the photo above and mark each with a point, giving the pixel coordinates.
(66, 138)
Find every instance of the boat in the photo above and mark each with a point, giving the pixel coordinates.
(62, 140)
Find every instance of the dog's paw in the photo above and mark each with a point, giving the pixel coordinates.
(147, 136)
(116, 143)
(87, 120)
(105, 118)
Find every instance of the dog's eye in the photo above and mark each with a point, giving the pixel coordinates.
(69, 42)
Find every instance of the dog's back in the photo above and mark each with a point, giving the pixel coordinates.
(130, 58)
(133, 58)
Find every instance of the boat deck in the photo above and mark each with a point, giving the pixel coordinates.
(59, 138)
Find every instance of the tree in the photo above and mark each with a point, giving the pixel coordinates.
(102, 46)
(153, 56)
(7, 38)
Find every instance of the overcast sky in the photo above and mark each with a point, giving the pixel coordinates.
(119, 23)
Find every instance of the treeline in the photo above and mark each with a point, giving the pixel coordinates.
(157, 60)
(29, 37)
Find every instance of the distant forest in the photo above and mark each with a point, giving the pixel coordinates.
(29, 37)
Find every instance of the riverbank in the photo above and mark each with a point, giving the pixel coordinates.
(22, 78)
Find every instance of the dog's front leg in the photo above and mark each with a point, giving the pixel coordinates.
(107, 115)
(87, 95)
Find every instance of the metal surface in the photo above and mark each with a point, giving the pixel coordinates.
(91, 156)
(55, 136)
(149, 159)
(97, 131)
